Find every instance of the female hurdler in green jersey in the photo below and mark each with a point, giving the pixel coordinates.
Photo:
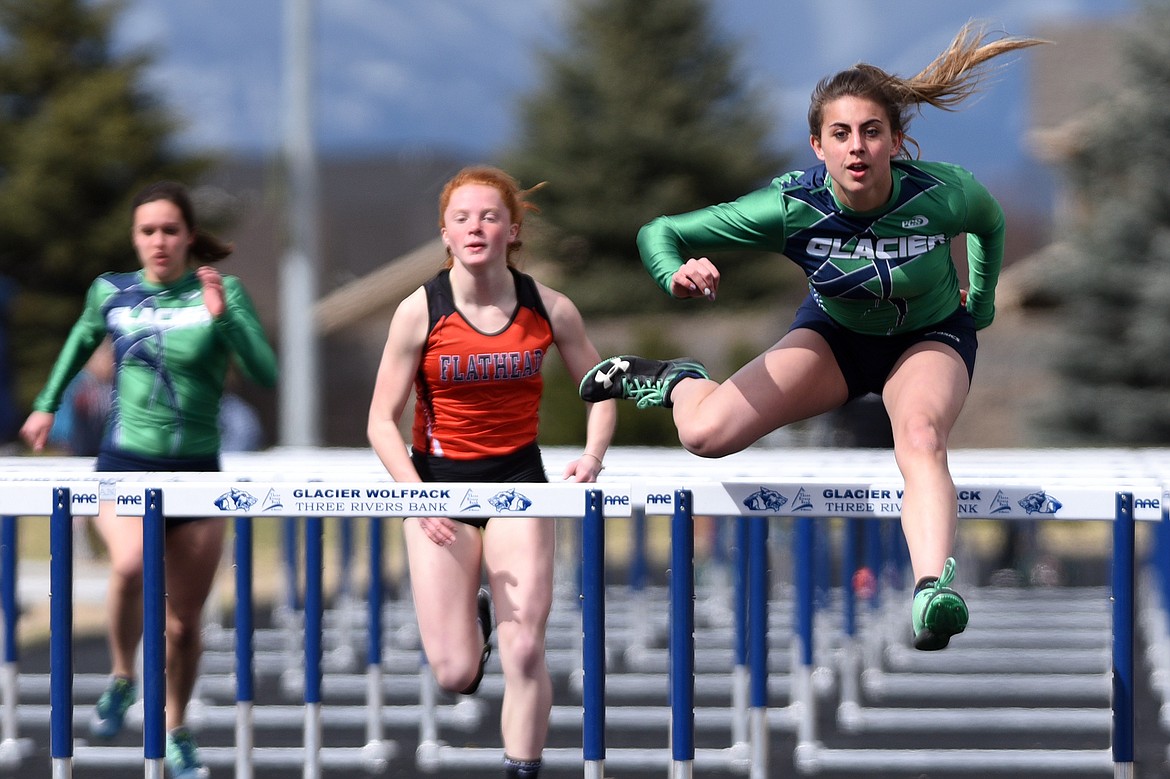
(174, 326)
(885, 312)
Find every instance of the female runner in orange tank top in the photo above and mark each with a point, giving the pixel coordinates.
(470, 344)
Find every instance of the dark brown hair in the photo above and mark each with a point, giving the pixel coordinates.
(205, 247)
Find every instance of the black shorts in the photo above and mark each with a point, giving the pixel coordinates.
(522, 466)
(867, 360)
(115, 461)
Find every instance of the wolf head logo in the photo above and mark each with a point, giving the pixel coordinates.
(235, 499)
(1040, 503)
(765, 499)
(509, 500)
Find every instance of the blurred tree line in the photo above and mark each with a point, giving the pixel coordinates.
(1113, 291)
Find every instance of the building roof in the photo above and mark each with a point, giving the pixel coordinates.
(381, 289)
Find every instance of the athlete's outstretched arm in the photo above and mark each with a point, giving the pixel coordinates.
(580, 355)
(752, 221)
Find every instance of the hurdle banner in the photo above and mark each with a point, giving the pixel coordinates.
(336, 498)
(883, 500)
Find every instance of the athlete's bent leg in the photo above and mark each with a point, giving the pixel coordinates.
(444, 582)
(519, 557)
(796, 379)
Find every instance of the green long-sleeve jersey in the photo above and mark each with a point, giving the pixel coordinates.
(877, 272)
(170, 357)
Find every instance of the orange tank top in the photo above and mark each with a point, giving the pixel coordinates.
(478, 394)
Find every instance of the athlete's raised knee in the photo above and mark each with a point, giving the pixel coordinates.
(704, 440)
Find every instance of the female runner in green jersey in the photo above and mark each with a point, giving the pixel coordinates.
(884, 314)
(174, 326)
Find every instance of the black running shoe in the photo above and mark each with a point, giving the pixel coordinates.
(483, 605)
(648, 382)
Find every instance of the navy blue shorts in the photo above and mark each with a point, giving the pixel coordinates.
(522, 466)
(114, 461)
(867, 360)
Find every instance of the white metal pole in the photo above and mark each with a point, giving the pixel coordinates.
(299, 417)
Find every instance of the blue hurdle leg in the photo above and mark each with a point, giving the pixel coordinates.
(245, 658)
(154, 639)
(1123, 632)
(682, 635)
(593, 635)
(61, 634)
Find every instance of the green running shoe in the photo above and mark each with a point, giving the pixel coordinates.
(182, 756)
(110, 712)
(939, 612)
(648, 382)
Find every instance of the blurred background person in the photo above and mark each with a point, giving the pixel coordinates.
(174, 325)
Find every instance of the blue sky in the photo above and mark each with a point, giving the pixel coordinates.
(446, 74)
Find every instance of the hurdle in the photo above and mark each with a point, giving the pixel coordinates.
(13, 748)
(812, 757)
(720, 498)
(37, 499)
(1080, 502)
(189, 498)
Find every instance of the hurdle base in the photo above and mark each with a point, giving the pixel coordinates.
(15, 750)
(814, 757)
(434, 756)
(370, 758)
(854, 719)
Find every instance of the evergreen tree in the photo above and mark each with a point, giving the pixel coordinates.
(1114, 288)
(641, 113)
(78, 136)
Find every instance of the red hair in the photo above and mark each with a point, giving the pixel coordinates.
(515, 199)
